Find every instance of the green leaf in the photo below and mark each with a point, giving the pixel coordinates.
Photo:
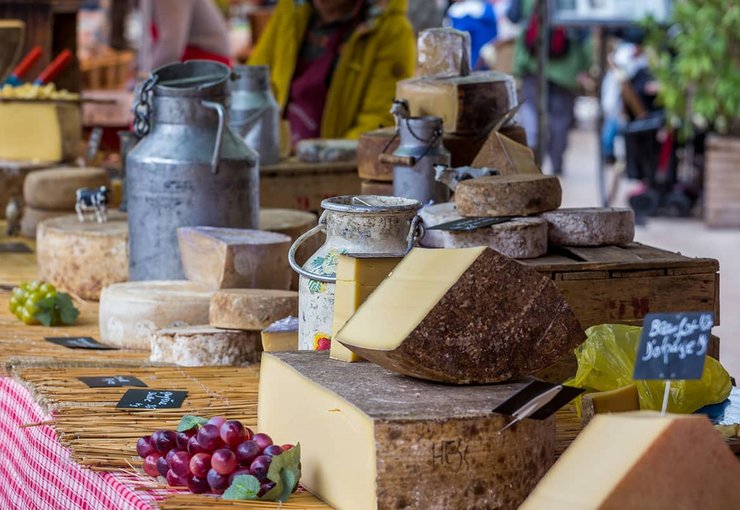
(190, 422)
(67, 311)
(244, 487)
(285, 472)
(45, 314)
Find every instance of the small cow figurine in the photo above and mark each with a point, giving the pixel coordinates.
(92, 200)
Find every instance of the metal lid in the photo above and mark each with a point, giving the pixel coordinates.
(370, 204)
(193, 78)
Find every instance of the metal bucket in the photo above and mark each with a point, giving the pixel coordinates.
(365, 225)
(188, 169)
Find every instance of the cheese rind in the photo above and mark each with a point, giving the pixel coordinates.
(463, 316)
(198, 346)
(520, 238)
(397, 442)
(83, 257)
(129, 312)
(590, 226)
(508, 195)
(443, 52)
(642, 460)
(251, 309)
(281, 335)
(506, 155)
(223, 258)
(56, 188)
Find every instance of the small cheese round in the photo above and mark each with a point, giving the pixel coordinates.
(521, 238)
(199, 346)
(55, 188)
(508, 195)
(590, 226)
(251, 309)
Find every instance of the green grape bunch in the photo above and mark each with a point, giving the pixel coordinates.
(39, 302)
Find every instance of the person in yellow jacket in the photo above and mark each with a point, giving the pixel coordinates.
(335, 63)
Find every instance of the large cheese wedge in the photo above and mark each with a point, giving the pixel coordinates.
(372, 439)
(590, 226)
(508, 195)
(357, 278)
(83, 257)
(642, 460)
(129, 312)
(519, 238)
(620, 400)
(443, 52)
(251, 309)
(41, 131)
(293, 223)
(506, 155)
(466, 104)
(468, 315)
(281, 335)
(55, 188)
(222, 258)
(198, 346)
(33, 217)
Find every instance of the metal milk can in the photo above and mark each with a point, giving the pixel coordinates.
(365, 225)
(255, 115)
(414, 160)
(188, 169)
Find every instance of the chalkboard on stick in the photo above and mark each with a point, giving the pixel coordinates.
(152, 399)
(113, 381)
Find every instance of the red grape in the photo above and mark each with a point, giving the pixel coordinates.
(248, 433)
(217, 421)
(168, 456)
(183, 437)
(217, 482)
(209, 438)
(200, 463)
(180, 463)
(286, 447)
(259, 466)
(247, 452)
(272, 450)
(262, 440)
(232, 433)
(145, 447)
(162, 466)
(150, 464)
(223, 461)
(198, 485)
(243, 471)
(164, 440)
(265, 487)
(194, 446)
(175, 481)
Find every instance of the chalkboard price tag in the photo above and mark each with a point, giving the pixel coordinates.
(673, 346)
(113, 381)
(152, 399)
(469, 224)
(79, 342)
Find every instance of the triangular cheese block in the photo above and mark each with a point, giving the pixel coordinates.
(642, 460)
(463, 316)
(506, 156)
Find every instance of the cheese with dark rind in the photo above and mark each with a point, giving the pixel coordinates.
(83, 257)
(56, 188)
(508, 195)
(198, 346)
(293, 223)
(590, 226)
(251, 309)
(519, 238)
(399, 442)
(642, 460)
(463, 316)
(223, 258)
(443, 52)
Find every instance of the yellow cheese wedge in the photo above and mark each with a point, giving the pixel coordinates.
(281, 335)
(620, 400)
(357, 278)
(642, 460)
(49, 132)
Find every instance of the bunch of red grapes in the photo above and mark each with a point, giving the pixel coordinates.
(207, 459)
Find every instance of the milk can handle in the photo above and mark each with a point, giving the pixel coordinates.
(216, 158)
(298, 242)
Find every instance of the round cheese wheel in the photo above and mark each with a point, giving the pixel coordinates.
(251, 309)
(508, 195)
(83, 257)
(590, 226)
(32, 217)
(521, 238)
(130, 312)
(55, 188)
(197, 346)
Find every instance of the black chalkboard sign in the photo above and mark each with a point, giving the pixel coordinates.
(468, 224)
(152, 399)
(520, 400)
(113, 381)
(79, 342)
(673, 345)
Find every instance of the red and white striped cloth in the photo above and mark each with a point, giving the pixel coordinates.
(37, 473)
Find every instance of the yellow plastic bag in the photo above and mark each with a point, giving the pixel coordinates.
(606, 361)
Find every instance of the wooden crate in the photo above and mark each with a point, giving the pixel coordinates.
(722, 182)
(613, 284)
(297, 185)
(108, 71)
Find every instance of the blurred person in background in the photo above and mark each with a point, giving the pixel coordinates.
(566, 72)
(183, 30)
(478, 18)
(334, 64)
